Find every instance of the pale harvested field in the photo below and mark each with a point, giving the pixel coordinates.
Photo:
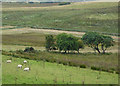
(6, 27)
(43, 8)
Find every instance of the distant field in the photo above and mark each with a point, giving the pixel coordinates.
(28, 39)
(10, 5)
(84, 16)
(52, 73)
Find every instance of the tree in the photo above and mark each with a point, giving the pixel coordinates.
(79, 44)
(106, 42)
(95, 40)
(50, 42)
(67, 42)
(92, 39)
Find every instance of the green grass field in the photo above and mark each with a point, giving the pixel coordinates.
(51, 73)
(99, 17)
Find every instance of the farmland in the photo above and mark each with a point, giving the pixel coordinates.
(19, 39)
(26, 25)
(100, 17)
(52, 74)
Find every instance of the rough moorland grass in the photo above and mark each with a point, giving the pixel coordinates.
(106, 61)
(26, 39)
(99, 17)
(51, 73)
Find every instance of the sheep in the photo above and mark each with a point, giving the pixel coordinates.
(19, 66)
(9, 61)
(25, 61)
(26, 69)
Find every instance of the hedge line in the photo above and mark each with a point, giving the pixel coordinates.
(54, 60)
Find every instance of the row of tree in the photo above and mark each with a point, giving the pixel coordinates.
(67, 42)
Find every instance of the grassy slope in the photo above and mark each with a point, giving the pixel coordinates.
(101, 17)
(103, 61)
(51, 73)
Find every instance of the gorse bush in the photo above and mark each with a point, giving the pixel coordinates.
(95, 68)
(82, 66)
(64, 3)
(29, 49)
(105, 70)
(110, 71)
(117, 72)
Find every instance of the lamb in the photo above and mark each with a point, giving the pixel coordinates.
(9, 61)
(25, 61)
(26, 69)
(19, 66)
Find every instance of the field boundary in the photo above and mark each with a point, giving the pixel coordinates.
(113, 34)
(20, 54)
(60, 29)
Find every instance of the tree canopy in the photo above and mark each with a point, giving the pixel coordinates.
(67, 42)
(50, 42)
(95, 40)
(106, 42)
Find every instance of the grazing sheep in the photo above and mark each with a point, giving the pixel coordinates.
(9, 61)
(19, 66)
(26, 69)
(25, 61)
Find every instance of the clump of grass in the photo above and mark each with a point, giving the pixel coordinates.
(82, 66)
(95, 68)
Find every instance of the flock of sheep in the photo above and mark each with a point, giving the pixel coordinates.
(20, 66)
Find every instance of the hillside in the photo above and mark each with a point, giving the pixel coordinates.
(52, 73)
(27, 26)
(80, 16)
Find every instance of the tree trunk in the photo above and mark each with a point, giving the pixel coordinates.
(98, 50)
(94, 50)
(65, 51)
(68, 51)
(78, 51)
(103, 49)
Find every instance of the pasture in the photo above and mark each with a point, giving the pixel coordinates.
(26, 25)
(52, 73)
(84, 16)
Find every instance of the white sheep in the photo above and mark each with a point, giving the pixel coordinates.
(19, 66)
(9, 61)
(25, 61)
(26, 69)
